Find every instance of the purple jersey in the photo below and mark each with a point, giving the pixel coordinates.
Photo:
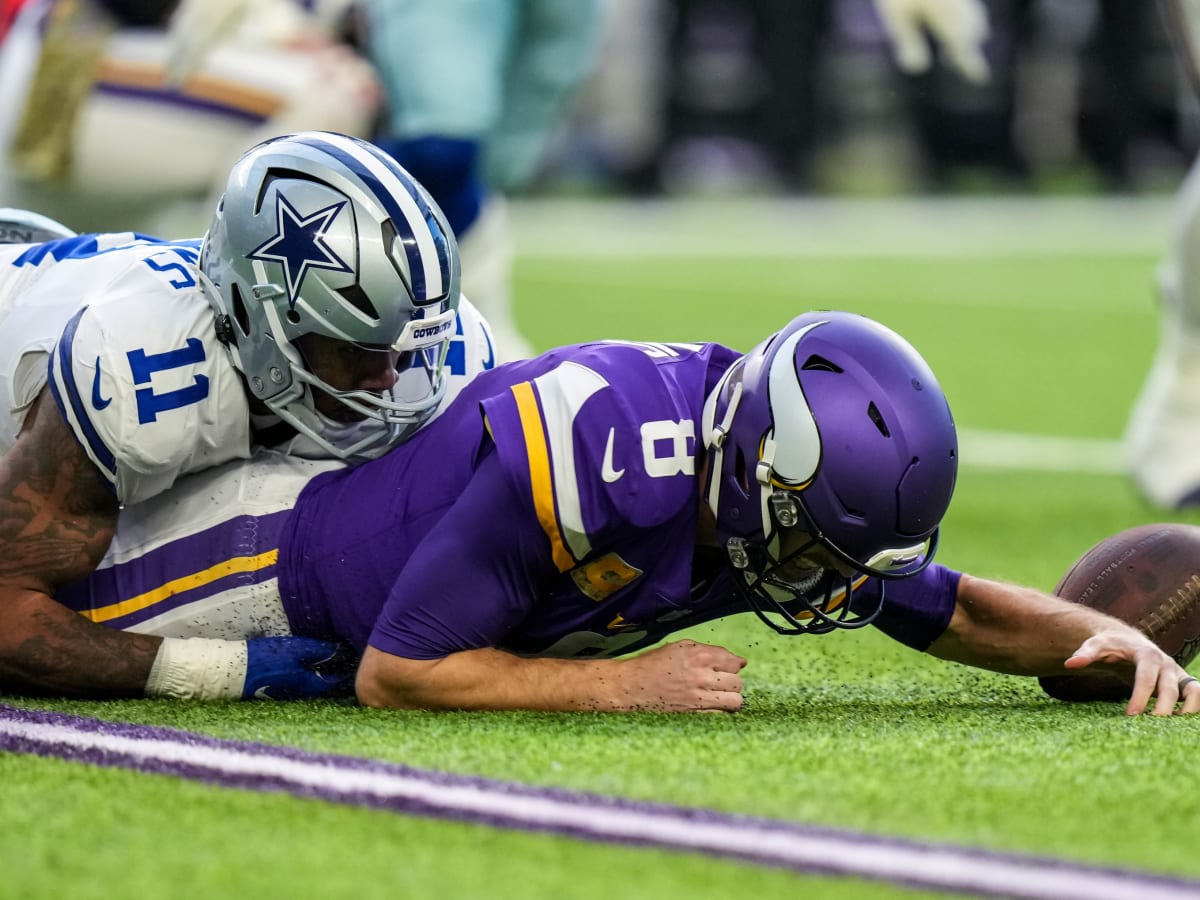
(552, 510)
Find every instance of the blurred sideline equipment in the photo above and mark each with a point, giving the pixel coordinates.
(1162, 436)
(1148, 576)
(105, 116)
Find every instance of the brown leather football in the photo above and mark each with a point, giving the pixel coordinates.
(1148, 576)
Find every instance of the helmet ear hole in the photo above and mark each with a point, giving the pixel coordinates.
(293, 317)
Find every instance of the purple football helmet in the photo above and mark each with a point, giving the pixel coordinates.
(832, 458)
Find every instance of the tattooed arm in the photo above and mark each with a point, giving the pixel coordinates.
(56, 521)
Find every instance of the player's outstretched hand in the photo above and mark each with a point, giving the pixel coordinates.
(959, 27)
(297, 668)
(684, 676)
(1155, 673)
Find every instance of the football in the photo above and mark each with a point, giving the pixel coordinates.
(1148, 576)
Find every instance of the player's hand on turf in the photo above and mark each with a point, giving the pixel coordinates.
(958, 26)
(1155, 674)
(297, 668)
(685, 676)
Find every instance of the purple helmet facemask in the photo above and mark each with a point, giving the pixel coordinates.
(836, 428)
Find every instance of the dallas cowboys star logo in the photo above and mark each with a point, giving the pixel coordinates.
(299, 244)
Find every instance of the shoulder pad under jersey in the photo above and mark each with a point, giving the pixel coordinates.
(600, 444)
(148, 391)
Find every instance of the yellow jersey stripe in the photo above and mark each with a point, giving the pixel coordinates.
(540, 479)
(179, 585)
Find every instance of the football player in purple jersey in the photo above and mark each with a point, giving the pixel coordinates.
(318, 314)
(569, 510)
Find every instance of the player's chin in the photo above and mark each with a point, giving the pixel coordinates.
(344, 416)
(336, 411)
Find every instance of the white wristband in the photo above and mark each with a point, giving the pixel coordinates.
(198, 669)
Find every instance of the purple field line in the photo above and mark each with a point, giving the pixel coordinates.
(379, 785)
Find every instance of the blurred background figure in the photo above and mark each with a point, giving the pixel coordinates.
(830, 97)
(1163, 434)
(134, 108)
(479, 92)
(111, 119)
(674, 96)
(475, 91)
(740, 94)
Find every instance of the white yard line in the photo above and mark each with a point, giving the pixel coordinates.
(1039, 453)
(588, 817)
(841, 227)
(888, 228)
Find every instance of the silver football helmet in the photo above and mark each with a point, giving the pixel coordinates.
(323, 234)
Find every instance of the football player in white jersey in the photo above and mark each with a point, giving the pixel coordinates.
(320, 313)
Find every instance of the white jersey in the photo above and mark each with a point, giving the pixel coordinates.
(120, 329)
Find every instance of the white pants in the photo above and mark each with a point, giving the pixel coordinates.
(137, 143)
(200, 560)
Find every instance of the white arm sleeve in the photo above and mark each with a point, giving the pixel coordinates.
(198, 669)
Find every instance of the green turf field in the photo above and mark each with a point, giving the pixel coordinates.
(1039, 334)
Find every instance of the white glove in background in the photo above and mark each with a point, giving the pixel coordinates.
(197, 26)
(958, 26)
